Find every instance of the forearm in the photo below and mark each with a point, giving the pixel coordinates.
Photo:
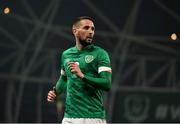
(61, 85)
(103, 82)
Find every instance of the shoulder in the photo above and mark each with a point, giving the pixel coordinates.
(69, 50)
(100, 50)
(102, 54)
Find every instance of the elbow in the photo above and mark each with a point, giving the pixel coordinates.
(108, 86)
(107, 89)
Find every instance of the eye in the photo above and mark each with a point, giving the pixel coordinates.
(86, 27)
(92, 28)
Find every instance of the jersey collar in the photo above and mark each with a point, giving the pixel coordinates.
(88, 48)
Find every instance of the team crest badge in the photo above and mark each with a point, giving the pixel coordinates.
(89, 58)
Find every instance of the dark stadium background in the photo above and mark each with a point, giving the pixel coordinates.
(136, 33)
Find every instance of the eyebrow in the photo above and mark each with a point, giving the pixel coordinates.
(87, 26)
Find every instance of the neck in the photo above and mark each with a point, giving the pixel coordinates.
(79, 46)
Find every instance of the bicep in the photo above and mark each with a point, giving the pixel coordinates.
(104, 64)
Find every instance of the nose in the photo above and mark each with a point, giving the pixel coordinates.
(91, 32)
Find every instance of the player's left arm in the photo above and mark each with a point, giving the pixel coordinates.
(104, 70)
(104, 80)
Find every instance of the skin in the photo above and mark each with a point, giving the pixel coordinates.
(83, 32)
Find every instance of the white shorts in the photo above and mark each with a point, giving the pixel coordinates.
(83, 121)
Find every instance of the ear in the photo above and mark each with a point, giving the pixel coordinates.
(74, 30)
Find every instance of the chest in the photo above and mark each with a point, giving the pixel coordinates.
(87, 62)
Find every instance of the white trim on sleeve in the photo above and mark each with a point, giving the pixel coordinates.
(103, 68)
(63, 72)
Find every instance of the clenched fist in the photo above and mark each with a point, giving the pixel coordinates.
(74, 68)
(51, 96)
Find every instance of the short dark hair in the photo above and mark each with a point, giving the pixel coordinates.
(78, 19)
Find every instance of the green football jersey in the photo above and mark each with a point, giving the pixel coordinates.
(84, 100)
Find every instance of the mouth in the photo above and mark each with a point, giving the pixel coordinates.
(89, 38)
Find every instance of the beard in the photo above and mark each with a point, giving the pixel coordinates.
(86, 42)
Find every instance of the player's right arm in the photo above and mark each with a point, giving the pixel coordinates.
(58, 89)
(61, 85)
